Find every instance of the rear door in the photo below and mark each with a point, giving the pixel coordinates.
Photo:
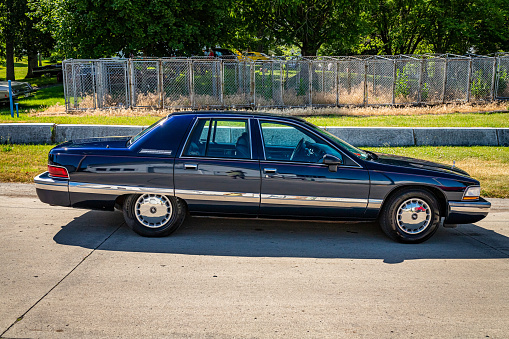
(216, 172)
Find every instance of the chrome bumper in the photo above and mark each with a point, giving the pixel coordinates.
(44, 182)
(52, 191)
(465, 212)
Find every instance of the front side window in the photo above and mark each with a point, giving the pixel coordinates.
(219, 138)
(286, 142)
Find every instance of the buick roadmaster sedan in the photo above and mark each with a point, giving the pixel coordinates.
(255, 165)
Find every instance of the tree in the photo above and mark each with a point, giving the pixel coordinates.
(307, 24)
(102, 28)
(440, 26)
(20, 35)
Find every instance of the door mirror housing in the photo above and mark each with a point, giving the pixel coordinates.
(332, 161)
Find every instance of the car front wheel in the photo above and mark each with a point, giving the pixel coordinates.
(410, 216)
(153, 215)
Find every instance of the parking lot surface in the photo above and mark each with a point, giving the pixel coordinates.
(75, 273)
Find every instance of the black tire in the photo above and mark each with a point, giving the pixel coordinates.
(410, 216)
(153, 215)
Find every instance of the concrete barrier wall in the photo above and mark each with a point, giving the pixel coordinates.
(374, 136)
(455, 136)
(357, 136)
(71, 132)
(26, 133)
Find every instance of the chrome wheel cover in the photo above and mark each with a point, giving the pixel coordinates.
(153, 210)
(413, 216)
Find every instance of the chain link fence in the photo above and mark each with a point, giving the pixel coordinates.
(203, 83)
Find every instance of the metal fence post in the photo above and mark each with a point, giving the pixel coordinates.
(131, 80)
(281, 86)
(337, 82)
(64, 81)
(394, 82)
(221, 82)
(493, 79)
(97, 85)
(419, 94)
(365, 83)
(191, 81)
(160, 84)
(252, 75)
(469, 85)
(497, 78)
(74, 86)
(445, 81)
(310, 83)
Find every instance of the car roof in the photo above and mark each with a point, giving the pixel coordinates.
(243, 114)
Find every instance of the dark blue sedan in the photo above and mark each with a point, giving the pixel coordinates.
(255, 165)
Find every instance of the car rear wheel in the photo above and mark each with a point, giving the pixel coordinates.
(410, 216)
(153, 215)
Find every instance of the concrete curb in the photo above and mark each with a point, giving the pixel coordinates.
(24, 133)
(374, 136)
(67, 132)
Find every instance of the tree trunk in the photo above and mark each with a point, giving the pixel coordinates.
(32, 63)
(9, 56)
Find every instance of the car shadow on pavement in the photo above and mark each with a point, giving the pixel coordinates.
(282, 238)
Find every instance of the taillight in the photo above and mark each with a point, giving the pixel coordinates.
(58, 172)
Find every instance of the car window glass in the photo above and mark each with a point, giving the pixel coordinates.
(219, 138)
(285, 142)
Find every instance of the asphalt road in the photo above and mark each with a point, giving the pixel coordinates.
(68, 273)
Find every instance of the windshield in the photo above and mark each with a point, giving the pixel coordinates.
(357, 152)
(145, 131)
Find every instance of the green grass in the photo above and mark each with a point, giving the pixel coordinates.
(50, 96)
(21, 163)
(446, 120)
(489, 165)
(43, 98)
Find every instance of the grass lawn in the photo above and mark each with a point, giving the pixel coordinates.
(20, 72)
(489, 165)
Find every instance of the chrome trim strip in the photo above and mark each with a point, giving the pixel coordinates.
(84, 187)
(278, 199)
(44, 182)
(155, 151)
(223, 159)
(469, 207)
(217, 196)
(375, 203)
(288, 162)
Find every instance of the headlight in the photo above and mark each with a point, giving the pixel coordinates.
(472, 193)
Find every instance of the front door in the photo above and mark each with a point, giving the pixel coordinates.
(295, 182)
(216, 172)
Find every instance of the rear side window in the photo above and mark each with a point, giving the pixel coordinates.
(219, 138)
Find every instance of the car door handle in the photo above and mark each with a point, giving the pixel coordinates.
(190, 166)
(270, 170)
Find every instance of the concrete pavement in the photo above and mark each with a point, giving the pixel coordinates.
(78, 273)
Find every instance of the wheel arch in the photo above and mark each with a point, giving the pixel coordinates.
(435, 191)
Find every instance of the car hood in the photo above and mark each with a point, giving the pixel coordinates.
(104, 142)
(396, 160)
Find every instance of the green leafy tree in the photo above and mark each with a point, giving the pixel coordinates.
(102, 28)
(307, 24)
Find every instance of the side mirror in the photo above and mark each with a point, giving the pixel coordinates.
(332, 161)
